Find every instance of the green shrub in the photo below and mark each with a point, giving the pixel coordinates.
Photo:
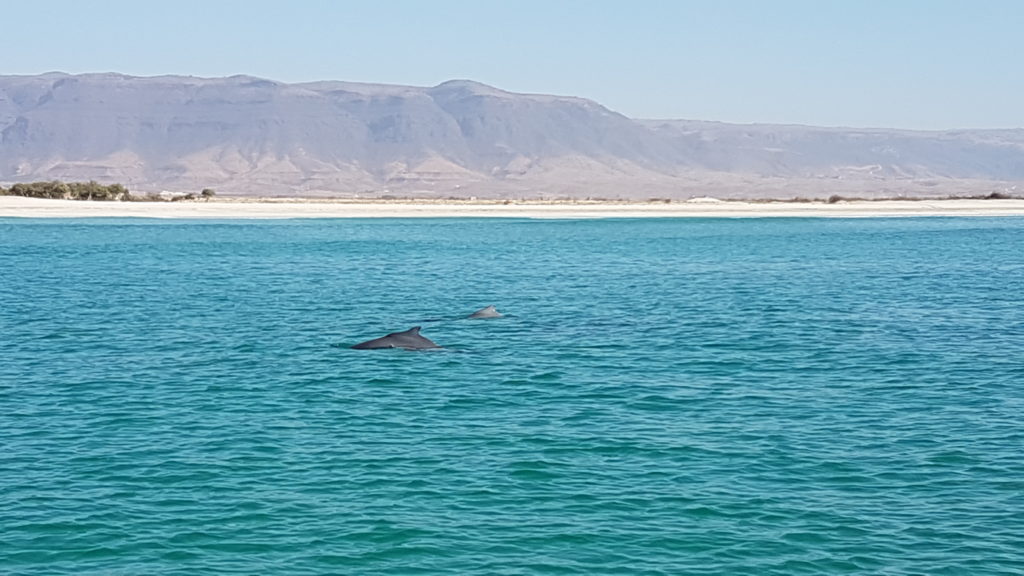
(56, 189)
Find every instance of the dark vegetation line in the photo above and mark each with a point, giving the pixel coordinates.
(91, 190)
(835, 198)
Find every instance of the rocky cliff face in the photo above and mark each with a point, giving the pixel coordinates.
(244, 135)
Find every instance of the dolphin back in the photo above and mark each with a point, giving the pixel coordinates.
(373, 344)
(486, 312)
(409, 339)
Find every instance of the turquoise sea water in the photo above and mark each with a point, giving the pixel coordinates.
(776, 396)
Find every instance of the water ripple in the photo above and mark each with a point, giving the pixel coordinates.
(664, 397)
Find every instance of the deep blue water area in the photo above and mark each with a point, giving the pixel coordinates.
(664, 396)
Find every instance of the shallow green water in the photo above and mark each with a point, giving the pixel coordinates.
(664, 397)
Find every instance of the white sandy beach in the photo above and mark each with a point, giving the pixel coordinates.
(13, 206)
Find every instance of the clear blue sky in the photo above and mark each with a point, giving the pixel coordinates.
(930, 64)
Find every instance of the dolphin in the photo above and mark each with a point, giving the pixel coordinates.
(487, 312)
(409, 340)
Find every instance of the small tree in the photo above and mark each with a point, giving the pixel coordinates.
(118, 192)
(207, 193)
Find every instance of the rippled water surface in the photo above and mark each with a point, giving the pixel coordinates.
(780, 396)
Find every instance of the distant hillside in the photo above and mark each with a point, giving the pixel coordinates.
(244, 135)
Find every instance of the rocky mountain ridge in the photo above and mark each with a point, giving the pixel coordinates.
(250, 136)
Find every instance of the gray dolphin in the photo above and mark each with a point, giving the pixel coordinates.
(488, 312)
(409, 340)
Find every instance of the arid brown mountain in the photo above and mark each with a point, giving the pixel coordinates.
(244, 135)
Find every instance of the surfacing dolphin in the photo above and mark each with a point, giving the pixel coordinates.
(487, 312)
(409, 340)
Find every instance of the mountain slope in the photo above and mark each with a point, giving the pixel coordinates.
(244, 135)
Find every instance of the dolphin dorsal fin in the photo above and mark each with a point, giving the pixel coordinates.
(415, 330)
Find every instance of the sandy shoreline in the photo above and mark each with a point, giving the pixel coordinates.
(13, 206)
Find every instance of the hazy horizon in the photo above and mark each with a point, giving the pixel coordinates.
(923, 66)
(502, 89)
